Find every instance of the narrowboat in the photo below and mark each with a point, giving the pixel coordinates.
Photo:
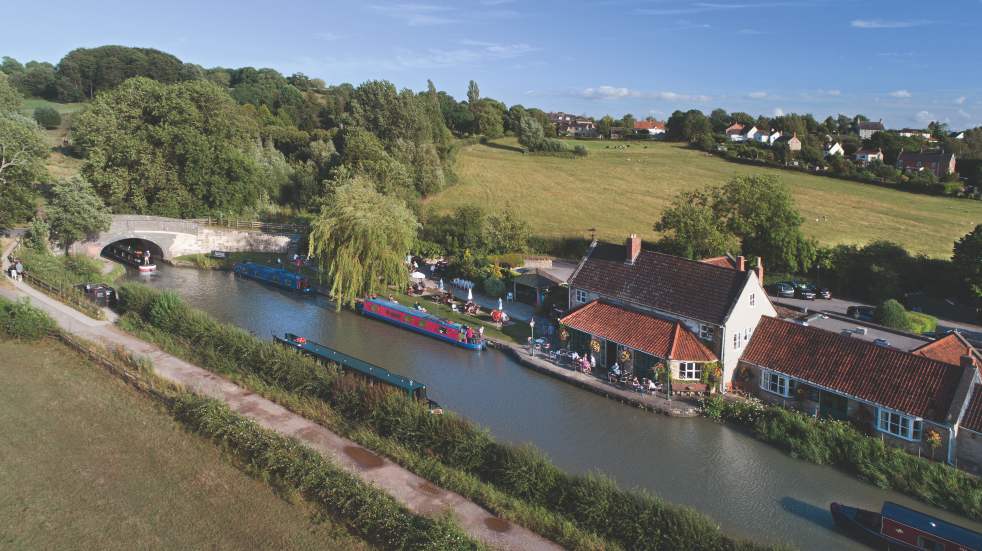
(420, 322)
(284, 279)
(372, 373)
(897, 528)
(138, 258)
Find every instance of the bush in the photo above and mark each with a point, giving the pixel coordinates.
(494, 286)
(892, 314)
(38, 235)
(20, 320)
(921, 323)
(47, 117)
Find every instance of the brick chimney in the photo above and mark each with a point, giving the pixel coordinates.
(633, 247)
(760, 270)
(741, 263)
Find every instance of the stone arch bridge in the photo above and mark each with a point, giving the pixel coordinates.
(168, 238)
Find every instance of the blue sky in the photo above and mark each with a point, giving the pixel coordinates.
(907, 62)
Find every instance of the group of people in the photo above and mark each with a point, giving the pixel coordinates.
(470, 335)
(16, 269)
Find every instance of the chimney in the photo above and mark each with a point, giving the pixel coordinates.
(741, 263)
(760, 270)
(633, 247)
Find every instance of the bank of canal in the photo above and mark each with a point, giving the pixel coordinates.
(752, 489)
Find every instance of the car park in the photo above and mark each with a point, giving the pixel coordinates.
(862, 313)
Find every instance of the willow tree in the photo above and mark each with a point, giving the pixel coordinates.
(361, 239)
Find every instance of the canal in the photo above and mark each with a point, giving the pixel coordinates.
(750, 488)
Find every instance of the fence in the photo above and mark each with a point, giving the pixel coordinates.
(252, 225)
(70, 296)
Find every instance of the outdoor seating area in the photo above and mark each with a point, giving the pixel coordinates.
(624, 378)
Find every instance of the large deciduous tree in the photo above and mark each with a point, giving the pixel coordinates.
(967, 260)
(22, 155)
(361, 239)
(692, 229)
(75, 211)
(180, 150)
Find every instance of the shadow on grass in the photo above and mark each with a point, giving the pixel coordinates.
(504, 147)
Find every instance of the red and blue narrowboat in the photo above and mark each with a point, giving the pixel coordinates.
(897, 528)
(421, 322)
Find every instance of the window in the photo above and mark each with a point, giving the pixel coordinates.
(581, 296)
(746, 334)
(900, 425)
(736, 340)
(775, 383)
(690, 371)
(753, 300)
(706, 332)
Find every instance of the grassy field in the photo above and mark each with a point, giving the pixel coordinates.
(60, 166)
(87, 463)
(620, 191)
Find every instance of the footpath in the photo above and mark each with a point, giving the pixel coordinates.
(417, 494)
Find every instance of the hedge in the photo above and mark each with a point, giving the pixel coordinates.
(838, 443)
(631, 519)
(21, 320)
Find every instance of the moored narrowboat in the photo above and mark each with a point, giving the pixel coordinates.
(422, 322)
(350, 364)
(284, 279)
(136, 257)
(897, 528)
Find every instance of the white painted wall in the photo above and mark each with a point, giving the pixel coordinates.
(743, 317)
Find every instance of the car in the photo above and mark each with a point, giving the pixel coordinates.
(881, 342)
(782, 289)
(820, 292)
(825, 292)
(862, 313)
(804, 292)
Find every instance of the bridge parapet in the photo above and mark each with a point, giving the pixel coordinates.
(124, 223)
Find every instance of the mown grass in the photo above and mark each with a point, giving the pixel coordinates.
(620, 191)
(90, 464)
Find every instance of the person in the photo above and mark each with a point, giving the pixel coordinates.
(470, 334)
(651, 385)
(480, 332)
(575, 356)
(636, 384)
(616, 369)
(146, 258)
(593, 362)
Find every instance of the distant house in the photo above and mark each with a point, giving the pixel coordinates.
(959, 135)
(652, 128)
(868, 128)
(909, 400)
(914, 133)
(643, 302)
(734, 131)
(940, 163)
(794, 144)
(834, 148)
(574, 126)
(866, 155)
(749, 132)
(618, 133)
(768, 138)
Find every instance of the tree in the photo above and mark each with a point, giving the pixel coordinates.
(489, 116)
(604, 125)
(530, 133)
(47, 117)
(84, 72)
(76, 211)
(179, 150)
(967, 260)
(720, 120)
(360, 241)
(38, 235)
(473, 93)
(892, 314)
(692, 228)
(23, 152)
(9, 98)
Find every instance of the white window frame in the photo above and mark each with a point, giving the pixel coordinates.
(580, 296)
(690, 371)
(753, 301)
(784, 390)
(707, 332)
(899, 425)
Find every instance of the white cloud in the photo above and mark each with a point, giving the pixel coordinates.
(778, 112)
(886, 23)
(833, 92)
(672, 96)
(702, 7)
(924, 117)
(900, 94)
(757, 95)
(960, 100)
(471, 54)
(614, 92)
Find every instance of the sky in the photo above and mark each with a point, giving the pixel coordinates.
(906, 62)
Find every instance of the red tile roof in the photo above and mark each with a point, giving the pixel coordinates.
(973, 415)
(649, 125)
(734, 128)
(658, 337)
(898, 380)
(687, 288)
(949, 349)
(721, 261)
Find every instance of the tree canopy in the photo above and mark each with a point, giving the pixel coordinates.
(361, 239)
(23, 152)
(967, 260)
(76, 211)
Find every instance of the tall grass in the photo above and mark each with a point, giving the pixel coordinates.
(20, 320)
(594, 505)
(838, 443)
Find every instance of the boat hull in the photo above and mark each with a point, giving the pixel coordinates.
(845, 517)
(444, 338)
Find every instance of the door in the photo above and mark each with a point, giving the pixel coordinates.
(832, 406)
(610, 353)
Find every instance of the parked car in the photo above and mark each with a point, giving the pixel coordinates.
(862, 313)
(782, 289)
(881, 342)
(804, 292)
(820, 292)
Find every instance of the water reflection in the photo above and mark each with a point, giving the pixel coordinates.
(752, 489)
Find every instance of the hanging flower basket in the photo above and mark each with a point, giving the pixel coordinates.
(595, 345)
(563, 334)
(625, 356)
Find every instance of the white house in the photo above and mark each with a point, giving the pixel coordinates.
(734, 132)
(749, 133)
(868, 128)
(866, 155)
(768, 138)
(835, 148)
(914, 133)
(717, 306)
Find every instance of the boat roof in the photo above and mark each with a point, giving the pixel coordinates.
(360, 366)
(931, 525)
(263, 267)
(412, 311)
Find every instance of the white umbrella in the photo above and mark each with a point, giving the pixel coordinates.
(470, 295)
(501, 305)
(417, 275)
(441, 283)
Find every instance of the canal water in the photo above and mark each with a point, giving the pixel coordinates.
(750, 488)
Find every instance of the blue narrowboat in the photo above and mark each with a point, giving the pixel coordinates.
(350, 364)
(897, 528)
(284, 279)
(420, 322)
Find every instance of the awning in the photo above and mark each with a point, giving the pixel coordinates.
(652, 335)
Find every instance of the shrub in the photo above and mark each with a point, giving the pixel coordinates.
(921, 323)
(21, 320)
(47, 117)
(38, 235)
(892, 314)
(494, 286)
